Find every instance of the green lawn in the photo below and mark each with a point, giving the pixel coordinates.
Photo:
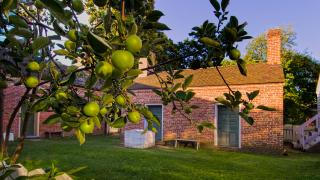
(107, 159)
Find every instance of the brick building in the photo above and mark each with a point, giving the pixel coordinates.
(35, 127)
(12, 96)
(231, 130)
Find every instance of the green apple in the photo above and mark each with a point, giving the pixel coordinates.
(91, 109)
(121, 100)
(103, 69)
(133, 44)
(31, 82)
(33, 66)
(122, 60)
(87, 126)
(134, 117)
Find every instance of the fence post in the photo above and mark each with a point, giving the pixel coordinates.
(302, 136)
(318, 122)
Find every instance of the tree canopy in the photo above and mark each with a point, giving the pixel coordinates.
(257, 48)
(301, 74)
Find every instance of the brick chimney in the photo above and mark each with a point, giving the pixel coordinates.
(143, 63)
(274, 46)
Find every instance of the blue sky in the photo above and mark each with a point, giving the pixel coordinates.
(302, 16)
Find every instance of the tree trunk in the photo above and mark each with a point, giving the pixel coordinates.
(20, 145)
(1, 115)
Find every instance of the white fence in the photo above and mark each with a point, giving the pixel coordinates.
(288, 133)
(291, 132)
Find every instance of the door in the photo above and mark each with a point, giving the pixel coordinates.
(228, 127)
(31, 130)
(157, 111)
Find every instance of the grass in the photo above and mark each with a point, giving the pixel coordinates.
(107, 159)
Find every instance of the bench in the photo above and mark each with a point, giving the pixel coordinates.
(53, 134)
(186, 142)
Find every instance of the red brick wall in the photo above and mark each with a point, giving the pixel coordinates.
(46, 128)
(56, 127)
(13, 95)
(266, 133)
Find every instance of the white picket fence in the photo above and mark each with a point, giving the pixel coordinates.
(303, 136)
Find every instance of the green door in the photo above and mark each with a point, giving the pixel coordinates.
(157, 111)
(31, 130)
(228, 127)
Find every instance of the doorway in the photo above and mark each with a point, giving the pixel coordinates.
(228, 127)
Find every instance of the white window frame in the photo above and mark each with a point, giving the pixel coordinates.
(37, 128)
(216, 106)
(162, 120)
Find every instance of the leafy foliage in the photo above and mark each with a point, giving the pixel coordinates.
(86, 44)
(234, 99)
(301, 74)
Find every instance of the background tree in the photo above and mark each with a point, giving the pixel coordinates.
(257, 48)
(193, 46)
(301, 75)
(196, 51)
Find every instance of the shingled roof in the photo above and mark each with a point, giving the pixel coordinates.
(261, 73)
